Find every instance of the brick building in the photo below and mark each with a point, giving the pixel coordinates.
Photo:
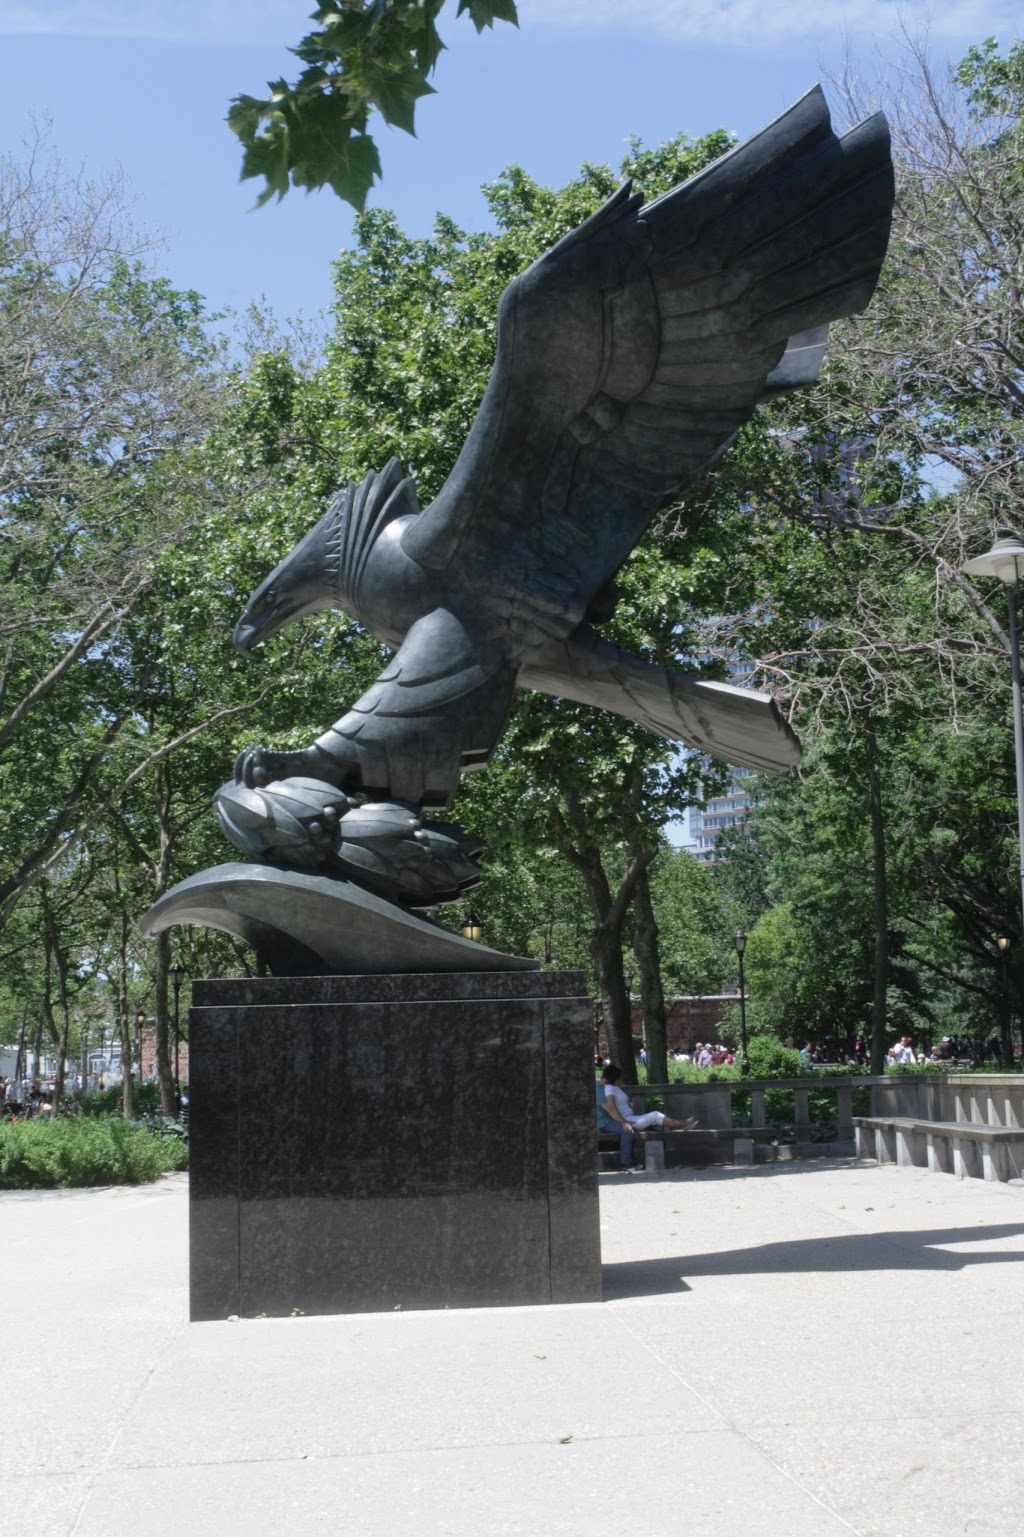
(148, 1043)
(689, 1020)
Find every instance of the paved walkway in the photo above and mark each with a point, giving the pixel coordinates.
(797, 1351)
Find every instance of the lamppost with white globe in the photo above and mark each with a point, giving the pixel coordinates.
(1005, 560)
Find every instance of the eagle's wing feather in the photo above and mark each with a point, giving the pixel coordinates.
(632, 352)
(434, 713)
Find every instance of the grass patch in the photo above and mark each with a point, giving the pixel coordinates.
(73, 1151)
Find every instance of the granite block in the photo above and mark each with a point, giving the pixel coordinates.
(405, 987)
(213, 1165)
(393, 1151)
(568, 1034)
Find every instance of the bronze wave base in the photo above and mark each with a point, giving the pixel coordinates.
(316, 925)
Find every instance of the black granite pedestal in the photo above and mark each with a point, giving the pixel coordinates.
(377, 1142)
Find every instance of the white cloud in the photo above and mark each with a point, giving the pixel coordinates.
(731, 23)
(191, 21)
(759, 23)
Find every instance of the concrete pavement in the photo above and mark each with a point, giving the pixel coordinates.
(804, 1348)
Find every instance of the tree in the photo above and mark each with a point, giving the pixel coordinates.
(106, 378)
(681, 940)
(939, 353)
(696, 920)
(363, 55)
(911, 450)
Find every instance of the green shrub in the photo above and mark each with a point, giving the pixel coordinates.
(146, 1100)
(85, 1150)
(770, 1059)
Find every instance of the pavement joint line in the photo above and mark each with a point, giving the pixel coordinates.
(103, 1463)
(403, 1451)
(730, 1424)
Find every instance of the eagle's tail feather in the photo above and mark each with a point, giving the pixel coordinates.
(737, 725)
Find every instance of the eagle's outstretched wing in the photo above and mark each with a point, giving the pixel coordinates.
(631, 353)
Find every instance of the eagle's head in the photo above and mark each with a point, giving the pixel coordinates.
(325, 569)
(305, 581)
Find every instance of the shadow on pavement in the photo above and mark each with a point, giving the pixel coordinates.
(644, 1278)
(913, 1250)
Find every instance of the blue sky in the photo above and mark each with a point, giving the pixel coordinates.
(144, 84)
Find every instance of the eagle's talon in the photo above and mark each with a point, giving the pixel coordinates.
(259, 766)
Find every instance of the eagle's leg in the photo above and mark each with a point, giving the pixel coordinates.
(259, 766)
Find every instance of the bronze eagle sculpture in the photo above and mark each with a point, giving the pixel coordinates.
(628, 357)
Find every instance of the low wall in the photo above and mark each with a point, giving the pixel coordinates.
(986, 1099)
(982, 1099)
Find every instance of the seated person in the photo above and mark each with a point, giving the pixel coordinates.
(615, 1115)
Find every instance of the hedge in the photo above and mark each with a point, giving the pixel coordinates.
(86, 1150)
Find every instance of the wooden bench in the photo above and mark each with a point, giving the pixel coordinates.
(968, 1149)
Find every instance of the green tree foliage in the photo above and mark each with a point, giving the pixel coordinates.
(892, 853)
(952, 854)
(696, 921)
(361, 56)
(106, 380)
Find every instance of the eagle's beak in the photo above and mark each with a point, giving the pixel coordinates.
(243, 637)
(264, 615)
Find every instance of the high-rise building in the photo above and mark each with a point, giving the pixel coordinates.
(732, 809)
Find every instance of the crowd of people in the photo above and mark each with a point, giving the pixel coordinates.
(27, 1098)
(709, 1054)
(950, 1051)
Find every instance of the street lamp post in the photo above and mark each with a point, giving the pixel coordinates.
(140, 1020)
(177, 977)
(1006, 561)
(1004, 941)
(739, 939)
(473, 929)
(627, 982)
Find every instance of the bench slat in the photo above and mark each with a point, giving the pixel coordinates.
(973, 1130)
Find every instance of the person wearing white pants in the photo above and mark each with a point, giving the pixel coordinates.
(616, 1115)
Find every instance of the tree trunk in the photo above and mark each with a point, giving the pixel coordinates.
(159, 870)
(125, 1026)
(648, 959)
(55, 957)
(881, 903)
(606, 953)
(609, 913)
(20, 1064)
(162, 1008)
(161, 1013)
(37, 1056)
